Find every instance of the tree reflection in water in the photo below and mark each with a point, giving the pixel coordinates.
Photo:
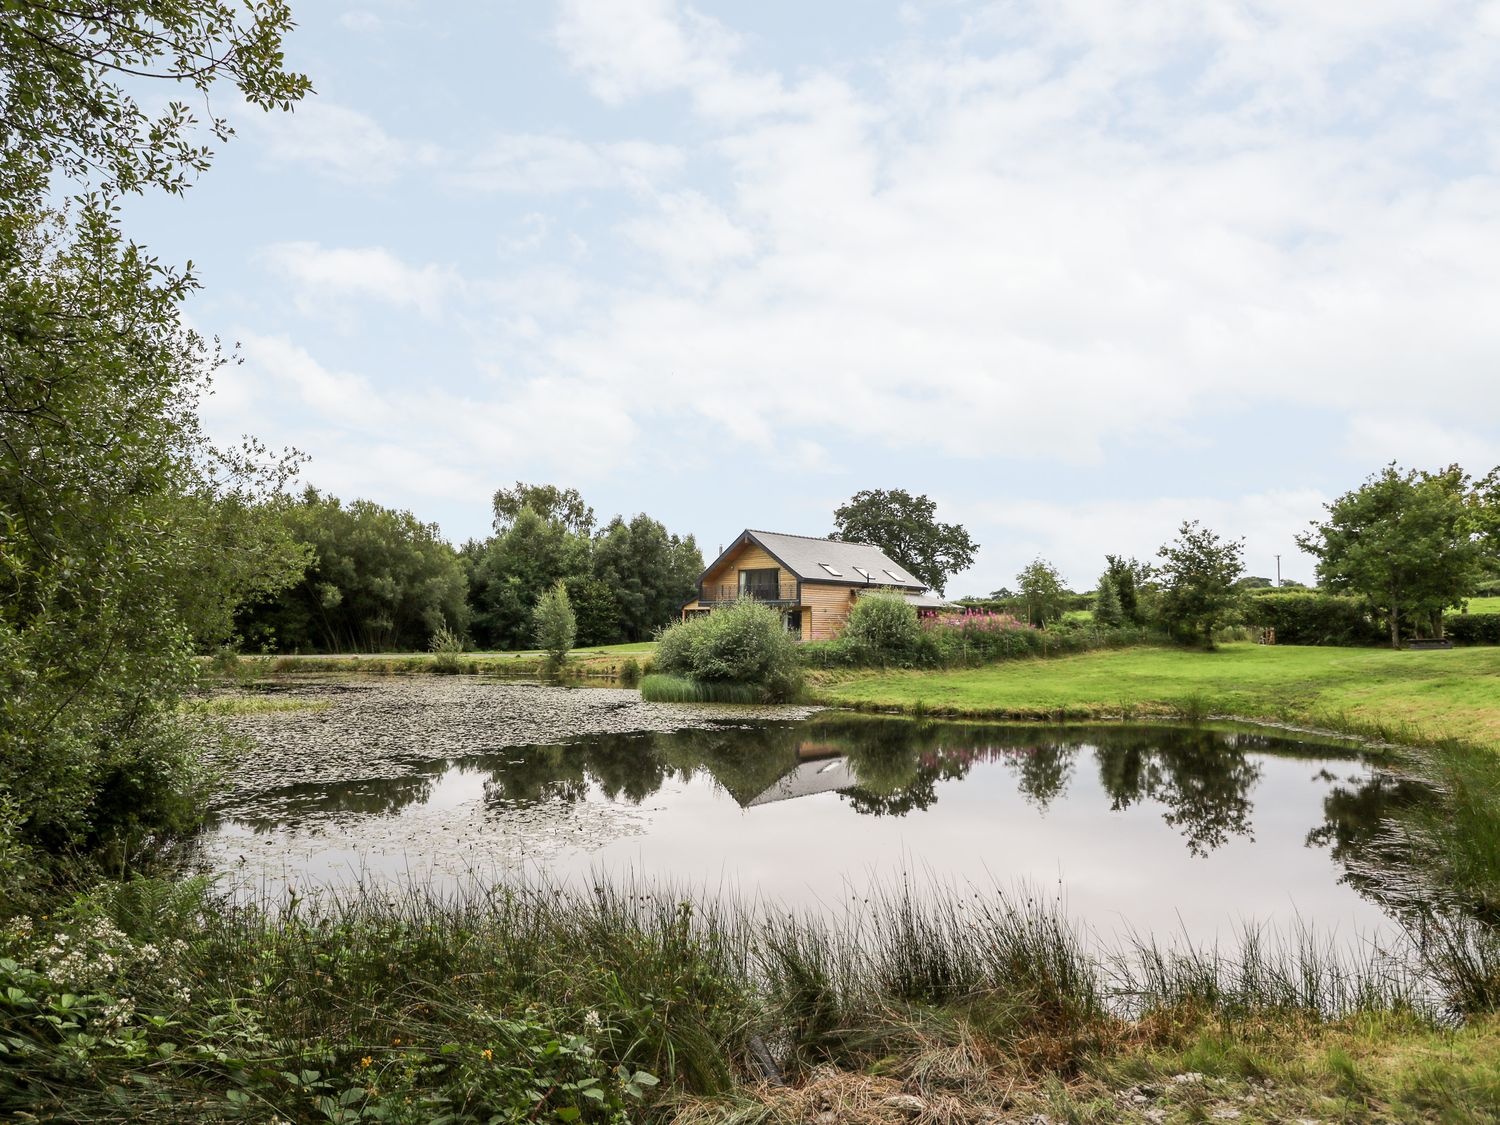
(1202, 778)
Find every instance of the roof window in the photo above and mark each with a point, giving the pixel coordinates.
(831, 570)
(896, 576)
(863, 573)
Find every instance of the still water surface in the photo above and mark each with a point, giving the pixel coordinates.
(1175, 831)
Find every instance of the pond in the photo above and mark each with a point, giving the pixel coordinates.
(1171, 830)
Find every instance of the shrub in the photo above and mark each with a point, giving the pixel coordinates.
(447, 646)
(1306, 617)
(744, 643)
(556, 626)
(630, 672)
(1473, 628)
(884, 627)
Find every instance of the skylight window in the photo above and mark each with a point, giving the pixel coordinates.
(894, 575)
(832, 571)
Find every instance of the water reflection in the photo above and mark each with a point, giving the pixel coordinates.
(1200, 779)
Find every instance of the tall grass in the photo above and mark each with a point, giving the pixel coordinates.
(661, 688)
(385, 995)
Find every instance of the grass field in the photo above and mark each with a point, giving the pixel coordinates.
(1484, 605)
(1453, 693)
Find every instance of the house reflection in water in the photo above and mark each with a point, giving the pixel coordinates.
(820, 769)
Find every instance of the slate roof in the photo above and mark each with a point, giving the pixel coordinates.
(804, 556)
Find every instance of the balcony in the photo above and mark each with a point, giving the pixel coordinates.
(772, 593)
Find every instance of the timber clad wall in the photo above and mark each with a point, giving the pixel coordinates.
(750, 557)
(825, 609)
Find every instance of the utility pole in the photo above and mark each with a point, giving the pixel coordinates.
(1278, 571)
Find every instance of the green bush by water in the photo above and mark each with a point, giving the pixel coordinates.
(742, 644)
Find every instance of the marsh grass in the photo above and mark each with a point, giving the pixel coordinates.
(661, 688)
(384, 994)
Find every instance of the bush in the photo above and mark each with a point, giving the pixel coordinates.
(884, 627)
(1472, 628)
(744, 643)
(630, 672)
(1306, 617)
(447, 646)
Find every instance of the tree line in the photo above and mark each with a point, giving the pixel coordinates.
(1407, 545)
(376, 579)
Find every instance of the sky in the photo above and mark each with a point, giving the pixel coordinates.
(1078, 270)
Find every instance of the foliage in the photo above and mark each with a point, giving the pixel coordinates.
(508, 573)
(447, 646)
(1042, 589)
(1408, 542)
(630, 672)
(1128, 576)
(122, 535)
(380, 580)
(72, 74)
(555, 626)
(596, 608)
(561, 507)
(1307, 617)
(906, 528)
(1472, 628)
(744, 643)
(617, 1001)
(1107, 610)
(883, 626)
(651, 573)
(1198, 572)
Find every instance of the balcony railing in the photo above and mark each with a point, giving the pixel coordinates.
(782, 593)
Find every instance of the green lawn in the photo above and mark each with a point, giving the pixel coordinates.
(1484, 605)
(1447, 693)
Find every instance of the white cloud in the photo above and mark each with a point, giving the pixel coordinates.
(1415, 442)
(339, 142)
(417, 442)
(322, 276)
(1098, 224)
(688, 234)
(542, 163)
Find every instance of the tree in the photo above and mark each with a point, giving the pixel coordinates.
(1410, 542)
(651, 573)
(1128, 576)
(562, 506)
(554, 625)
(111, 501)
(72, 73)
(1199, 572)
(905, 527)
(508, 573)
(1107, 610)
(1042, 588)
(597, 610)
(379, 579)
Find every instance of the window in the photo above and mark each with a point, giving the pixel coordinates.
(896, 576)
(832, 571)
(862, 572)
(762, 585)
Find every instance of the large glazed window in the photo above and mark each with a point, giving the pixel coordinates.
(761, 584)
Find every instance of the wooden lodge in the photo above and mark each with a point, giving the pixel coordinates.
(813, 582)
